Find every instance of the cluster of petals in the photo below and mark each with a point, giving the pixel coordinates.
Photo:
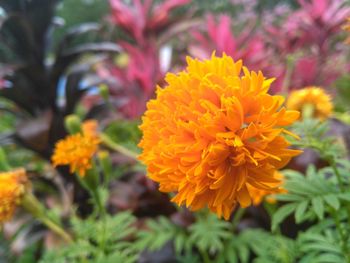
(315, 97)
(77, 150)
(258, 195)
(12, 187)
(214, 131)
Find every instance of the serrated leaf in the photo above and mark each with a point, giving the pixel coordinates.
(333, 201)
(318, 206)
(243, 254)
(281, 214)
(230, 255)
(300, 211)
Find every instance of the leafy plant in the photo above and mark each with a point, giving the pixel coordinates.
(106, 240)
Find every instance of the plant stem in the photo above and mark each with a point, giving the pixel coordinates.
(341, 186)
(205, 256)
(117, 147)
(337, 174)
(91, 182)
(33, 206)
(237, 217)
(56, 228)
(290, 61)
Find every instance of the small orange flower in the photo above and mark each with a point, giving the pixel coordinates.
(77, 150)
(12, 187)
(316, 97)
(90, 127)
(213, 131)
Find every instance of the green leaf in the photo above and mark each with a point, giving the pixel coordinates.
(330, 258)
(300, 211)
(243, 253)
(281, 214)
(332, 200)
(209, 232)
(345, 196)
(318, 206)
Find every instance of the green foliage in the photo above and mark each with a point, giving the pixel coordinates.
(308, 196)
(313, 134)
(343, 93)
(321, 247)
(125, 133)
(108, 239)
(270, 248)
(157, 234)
(212, 235)
(320, 196)
(75, 12)
(209, 233)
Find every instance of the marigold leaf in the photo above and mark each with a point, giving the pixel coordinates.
(333, 201)
(281, 214)
(318, 206)
(300, 211)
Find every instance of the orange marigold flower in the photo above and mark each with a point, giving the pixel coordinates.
(90, 127)
(259, 194)
(12, 187)
(315, 97)
(212, 132)
(77, 151)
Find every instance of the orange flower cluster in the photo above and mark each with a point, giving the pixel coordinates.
(213, 132)
(315, 97)
(77, 150)
(12, 187)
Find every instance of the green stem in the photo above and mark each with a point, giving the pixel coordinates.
(33, 206)
(337, 174)
(117, 147)
(56, 228)
(236, 218)
(91, 182)
(308, 111)
(4, 166)
(205, 256)
(97, 198)
(105, 163)
(289, 71)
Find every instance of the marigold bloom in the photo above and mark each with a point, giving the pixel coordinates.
(77, 151)
(212, 132)
(259, 194)
(314, 96)
(90, 127)
(12, 187)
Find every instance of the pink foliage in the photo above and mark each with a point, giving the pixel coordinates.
(133, 85)
(143, 18)
(218, 36)
(298, 47)
(308, 37)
